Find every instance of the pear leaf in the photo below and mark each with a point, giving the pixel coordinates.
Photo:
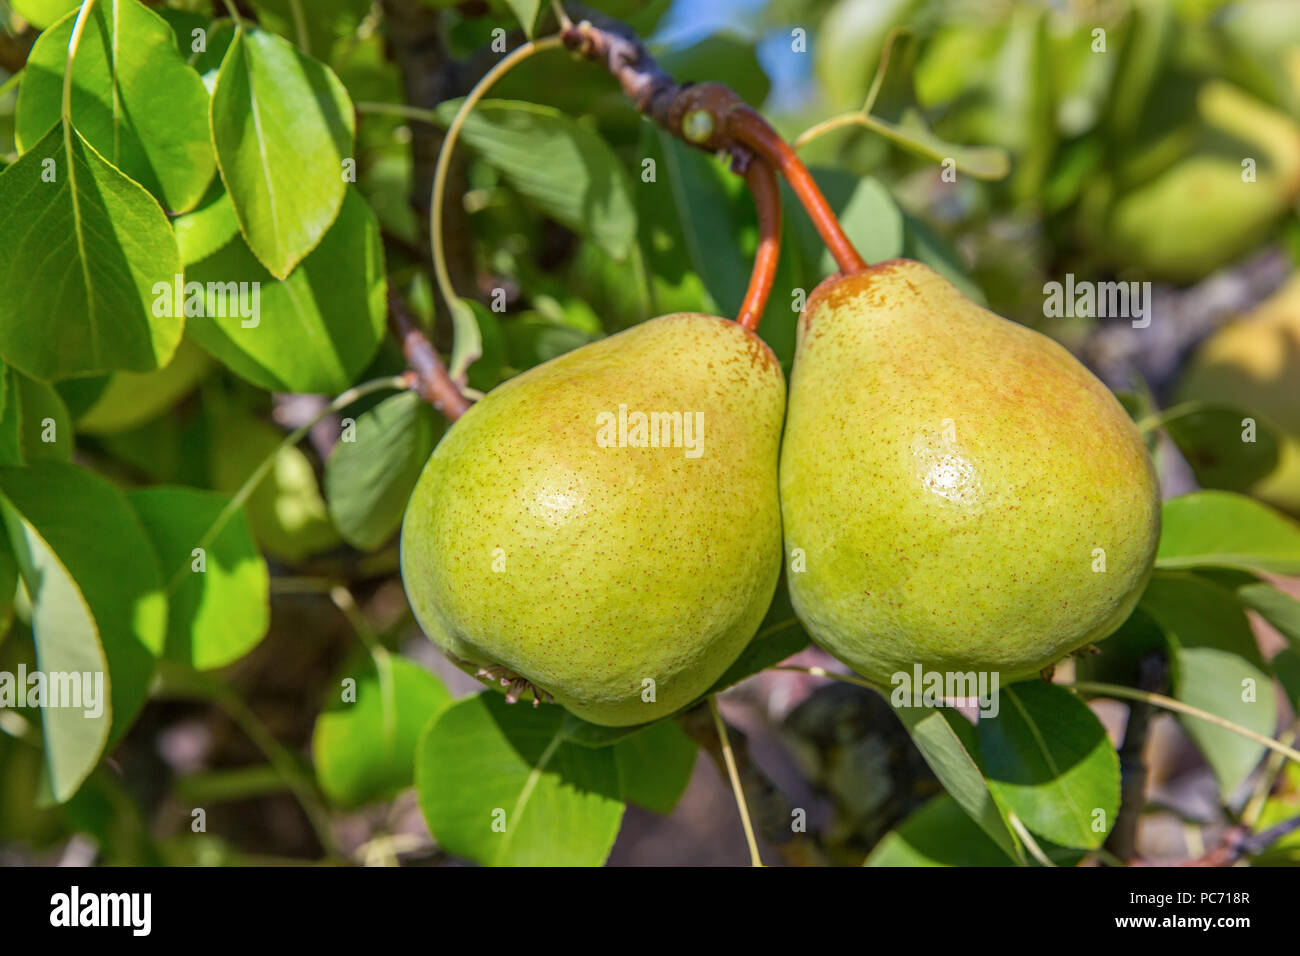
(283, 128)
(500, 785)
(82, 247)
(133, 98)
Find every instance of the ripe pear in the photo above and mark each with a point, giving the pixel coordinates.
(619, 567)
(1254, 364)
(958, 491)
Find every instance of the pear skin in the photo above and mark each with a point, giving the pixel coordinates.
(545, 538)
(957, 490)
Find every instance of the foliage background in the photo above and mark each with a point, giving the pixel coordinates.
(1123, 164)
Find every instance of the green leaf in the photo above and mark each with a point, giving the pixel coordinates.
(311, 332)
(500, 785)
(43, 13)
(1226, 530)
(939, 833)
(946, 741)
(1277, 607)
(364, 744)
(525, 12)
(44, 425)
(314, 25)
(133, 98)
(283, 126)
(1216, 667)
(219, 609)
(693, 185)
(97, 601)
(1048, 758)
(370, 474)
(83, 253)
(891, 111)
(564, 167)
(655, 765)
(286, 511)
(128, 400)
(868, 213)
(1212, 439)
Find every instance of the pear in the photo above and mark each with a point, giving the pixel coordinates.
(1207, 209)
(1254, 364)
(605, 526)
(958, 491)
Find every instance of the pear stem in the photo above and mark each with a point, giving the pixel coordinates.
(761, 180)
(720, 725)
(708, 116)
(749, 128)
(432, 382)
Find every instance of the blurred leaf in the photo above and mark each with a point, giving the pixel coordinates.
(364, 749)
(369, 479)
(44, 425)
(83, 252)
(286, 511)
(97, 602)
(691, 227)
(850, 44)
(43, 13)
(324, 22)
(891, 111)
(1212, 439)
(1222, 529)
(567, 169)
(531, 342)
(1217, 668)
(1049, 759)
(938, 834)
(127, 400)
(946, 741)
(311, 332)
(500, 785)
(134, 99)
(525, 12)
(219, 611)
(720, 58)
(283, 126)
(1277, 607)
(655, 765)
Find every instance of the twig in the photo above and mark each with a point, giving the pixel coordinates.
(772, 812)
(1153, 672)
(709, 116)
(734, 775)
(431, 380)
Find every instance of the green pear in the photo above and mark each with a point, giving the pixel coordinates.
(1254, 364)
(958, 491)
(620, 568)
(1208, 209)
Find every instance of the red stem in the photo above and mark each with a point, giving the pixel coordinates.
(761, 180)
(751, 129)
(430, 378)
